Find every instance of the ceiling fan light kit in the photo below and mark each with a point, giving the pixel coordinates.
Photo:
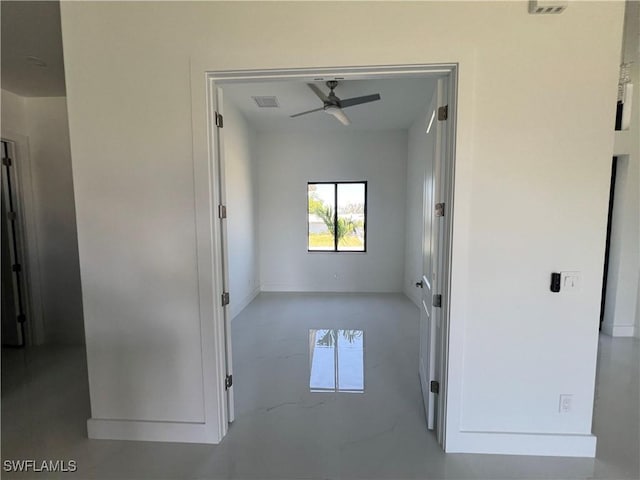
(338, 113)
(333, 105)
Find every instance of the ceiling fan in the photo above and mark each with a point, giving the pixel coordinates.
(333, 105)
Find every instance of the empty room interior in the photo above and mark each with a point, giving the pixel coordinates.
(335, 240)
(309, 301)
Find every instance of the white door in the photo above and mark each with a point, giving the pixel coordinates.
(222, 201)
(425, 280)
(433, 257)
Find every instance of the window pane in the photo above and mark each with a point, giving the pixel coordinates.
(321, 200)
(351, 218)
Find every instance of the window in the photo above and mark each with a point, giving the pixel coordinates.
(337, 216)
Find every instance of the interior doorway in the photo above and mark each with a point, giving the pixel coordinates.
(440, 191)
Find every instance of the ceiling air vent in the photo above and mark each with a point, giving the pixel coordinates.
(547, 6)
(267, 102)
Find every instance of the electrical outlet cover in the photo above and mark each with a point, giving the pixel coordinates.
(566, 401)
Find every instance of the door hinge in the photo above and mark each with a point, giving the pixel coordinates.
(225, 299)
(222, 211)
(22, 318)
(6, 161)
(16, 267)
(228, 382)
(443, 112)
(12, 216)
(437, 300)
(434, 386)
(219, 120)
(439, 209)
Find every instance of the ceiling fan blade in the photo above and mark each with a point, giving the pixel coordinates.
(308, 111)
(339, 114)
(318, 92)
(350, 102)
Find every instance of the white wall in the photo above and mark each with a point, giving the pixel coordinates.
(242, 222)
(48, 129)
(44, 121)
(419, 167)
(13, 113)
(286, 162)
(531, 188)
(623, 300)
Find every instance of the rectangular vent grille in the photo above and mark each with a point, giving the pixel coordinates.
(266, 102)
(549, 9)
(547, 6)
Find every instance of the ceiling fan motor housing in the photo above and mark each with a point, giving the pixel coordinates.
(332, 98)
(332, 84)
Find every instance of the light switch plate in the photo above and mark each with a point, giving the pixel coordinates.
(570, 281)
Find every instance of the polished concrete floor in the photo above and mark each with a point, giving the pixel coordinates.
(326, 387)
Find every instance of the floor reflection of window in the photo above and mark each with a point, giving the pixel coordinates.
(337, 360)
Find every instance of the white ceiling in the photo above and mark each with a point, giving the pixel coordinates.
(402, 101)
(32, 29)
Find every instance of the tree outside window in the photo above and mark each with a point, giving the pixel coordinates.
(337, 216)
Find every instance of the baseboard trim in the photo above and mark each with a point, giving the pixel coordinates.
(551, 445)
(236, 308)
(150, 431)
(619, 330)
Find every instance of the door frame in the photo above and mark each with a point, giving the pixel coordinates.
(210, 233)
(607, 248)
(28, 238)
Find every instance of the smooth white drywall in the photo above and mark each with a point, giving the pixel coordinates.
(44, 121)
(286, 162)
(623, 301)
(13, 113)
(48, 129)
(242, 223)
(419, 168)
(534, 142)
